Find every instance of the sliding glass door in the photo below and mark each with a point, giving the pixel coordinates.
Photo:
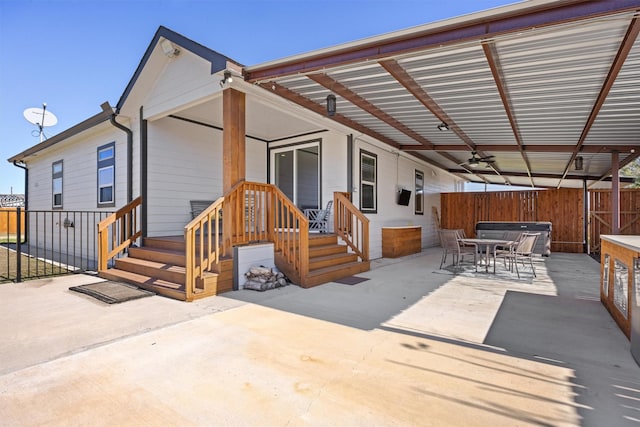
(296, 171)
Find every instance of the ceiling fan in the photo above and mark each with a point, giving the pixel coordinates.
(475, 160)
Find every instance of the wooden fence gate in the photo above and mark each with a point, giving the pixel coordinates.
(600, 214)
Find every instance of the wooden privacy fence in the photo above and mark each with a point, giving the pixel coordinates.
(9, 224)
(564, 208)
(600, 214)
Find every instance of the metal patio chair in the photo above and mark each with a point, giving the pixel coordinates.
(319, 218)
(499, 251)
(522, 251)
(451, 245)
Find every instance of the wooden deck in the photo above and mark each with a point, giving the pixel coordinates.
(159, 266)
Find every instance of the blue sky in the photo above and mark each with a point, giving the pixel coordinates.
(74, 55)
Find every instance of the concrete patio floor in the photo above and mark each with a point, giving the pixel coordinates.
(413, 345)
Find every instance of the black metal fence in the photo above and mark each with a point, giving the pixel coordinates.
(36, 244)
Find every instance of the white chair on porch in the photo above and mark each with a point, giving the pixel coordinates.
(319, 218)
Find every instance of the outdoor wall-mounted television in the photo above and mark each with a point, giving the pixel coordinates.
(403, 197)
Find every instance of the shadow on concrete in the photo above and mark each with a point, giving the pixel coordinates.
(577, 334)
(555, 319)
(391, 289)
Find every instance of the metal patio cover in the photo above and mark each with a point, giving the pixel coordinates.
(535, 84)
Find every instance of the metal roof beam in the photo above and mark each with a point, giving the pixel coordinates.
(360, 102)
(357, 100)
(473, 28)
(401, 75)
(491, 53)
(426, 160)
(623, 51)
(539, 175)
(321, 109)
(607, 175)
(533, 148)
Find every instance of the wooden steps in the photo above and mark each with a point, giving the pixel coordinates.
(159, 266)
(329, 261)
(159, 255)
(160, 287)
(316, 263)
(167, 272)
(335, 272)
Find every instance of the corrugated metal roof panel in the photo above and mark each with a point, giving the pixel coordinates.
(554, 77)
(619, 118)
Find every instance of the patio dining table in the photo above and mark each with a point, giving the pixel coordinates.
(489, 246)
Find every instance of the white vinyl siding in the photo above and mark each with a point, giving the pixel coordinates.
(79, 190)
(182, 82)
(184, 162)
(80, 178)
(397, 171)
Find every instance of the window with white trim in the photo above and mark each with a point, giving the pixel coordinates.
(106, 174)
(419, 199)
(56, 184)
(368, 182)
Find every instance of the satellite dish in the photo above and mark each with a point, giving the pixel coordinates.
(41, 118)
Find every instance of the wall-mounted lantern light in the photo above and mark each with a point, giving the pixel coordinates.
(331, 105)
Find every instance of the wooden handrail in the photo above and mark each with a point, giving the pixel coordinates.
(264, 213)
(118, 231)
(250, 212)
(202, 246)
(351, 225)
(291, 232)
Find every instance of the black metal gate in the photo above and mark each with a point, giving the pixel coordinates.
(36, 244)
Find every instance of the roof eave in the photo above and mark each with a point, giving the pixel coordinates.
(476, 26)
(89, 123)
(218, 61)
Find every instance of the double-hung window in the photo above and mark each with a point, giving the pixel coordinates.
(106, 175)
(368, 182)
(56, 187)
(419, 200)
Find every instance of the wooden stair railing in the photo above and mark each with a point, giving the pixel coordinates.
(117, 232)
(266, 214)
(203, 246)
(251, 212)
(351, 225)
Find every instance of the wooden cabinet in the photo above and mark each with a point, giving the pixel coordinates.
(619, 261)
(401, 241)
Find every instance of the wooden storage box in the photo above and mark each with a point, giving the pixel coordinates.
(401, 241)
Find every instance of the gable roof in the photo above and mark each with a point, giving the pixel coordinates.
(104, 115)
(218, 61)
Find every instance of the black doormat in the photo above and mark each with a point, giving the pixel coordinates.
(351, 280)
(112, 292)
